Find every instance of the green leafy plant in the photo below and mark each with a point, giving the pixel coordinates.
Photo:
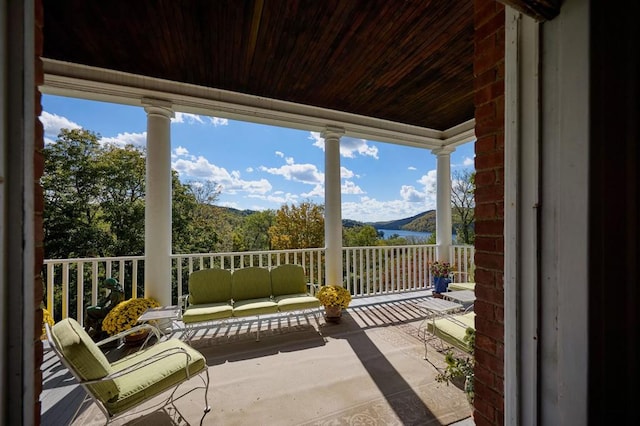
(125, 314)
(331, 295)
(461, 367)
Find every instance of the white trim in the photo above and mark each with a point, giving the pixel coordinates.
(73, 80)
(511, 131)
(521, 290)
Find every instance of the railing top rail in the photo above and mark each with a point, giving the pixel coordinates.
(93, 259)
(247, 253)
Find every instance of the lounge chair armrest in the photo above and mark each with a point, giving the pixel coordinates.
(313, 288)
(132, 330)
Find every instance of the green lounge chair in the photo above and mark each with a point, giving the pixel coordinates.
(124, 384)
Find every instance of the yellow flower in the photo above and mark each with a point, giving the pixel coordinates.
(331, 295)
(125, 314)
(46, 319)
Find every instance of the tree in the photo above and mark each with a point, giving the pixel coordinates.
(72, 184)
(297, 227)
(254, 234)
(463, 204)
(360, 236)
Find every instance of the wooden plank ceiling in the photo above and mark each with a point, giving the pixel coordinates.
(405, 61)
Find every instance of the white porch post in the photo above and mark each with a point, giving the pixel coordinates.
(157, 216)
(443, 203)
(333, 206)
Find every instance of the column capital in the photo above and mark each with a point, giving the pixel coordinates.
(443, 150)
(158, 106)
(332, 132)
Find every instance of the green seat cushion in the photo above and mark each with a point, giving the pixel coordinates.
(462, 286)
(288, 279)
(292, 302)
(243, 308)
(207, 312)
(250, 283)
(149, 380)
(209, 286)
(453, 329)
(84, 357)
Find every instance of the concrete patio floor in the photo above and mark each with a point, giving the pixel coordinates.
(368, 369)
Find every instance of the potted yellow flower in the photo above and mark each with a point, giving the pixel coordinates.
(125, 314)
(47, 318)
(335, 299)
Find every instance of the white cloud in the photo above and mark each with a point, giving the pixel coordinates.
(122, 139)
(52, 123)
(347, 174)
(181, 151)
(412, 168)
(305, 173)
(183, 117)
(349, 147)
(410, 194)
(316, 192)
(217, 121)
(280, 154)
(348, 187)
(468, 162)
(230, 182)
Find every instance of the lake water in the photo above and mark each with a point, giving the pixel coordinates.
(404, 234)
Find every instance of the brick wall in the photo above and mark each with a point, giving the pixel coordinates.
(38, 169)
(489, 243)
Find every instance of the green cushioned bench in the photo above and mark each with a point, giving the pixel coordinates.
(219, 294)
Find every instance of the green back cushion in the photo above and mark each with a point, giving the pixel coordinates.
(210, 286)
(84, 356)
(288, 279)
(251, 283)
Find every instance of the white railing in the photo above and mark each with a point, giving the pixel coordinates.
(387, 269)
(73, 284)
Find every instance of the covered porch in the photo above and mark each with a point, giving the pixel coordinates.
(368, 368)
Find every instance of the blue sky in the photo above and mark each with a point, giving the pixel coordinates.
(262, 167)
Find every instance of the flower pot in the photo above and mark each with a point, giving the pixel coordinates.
(332, 313)
(440, 284)
(136, 339)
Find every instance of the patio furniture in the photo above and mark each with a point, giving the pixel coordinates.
(464, 297)
(462, 286)
(220, 295)
(434, 308)
(124, 384)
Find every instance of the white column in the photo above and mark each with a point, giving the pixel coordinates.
(157, 216)
(443, 203)
(332, 206)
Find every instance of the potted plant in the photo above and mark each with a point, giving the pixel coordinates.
(335, 299)
(461, 367)
(441, 272)
(125, 316)
(47, 318)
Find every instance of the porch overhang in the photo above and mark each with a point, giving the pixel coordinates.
(81, 81)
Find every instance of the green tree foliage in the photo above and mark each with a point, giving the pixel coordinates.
(296, 227)
(360, 236)
(463, 204)
(254, 234)
(75, 185)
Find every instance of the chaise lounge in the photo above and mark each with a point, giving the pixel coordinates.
(124, 384)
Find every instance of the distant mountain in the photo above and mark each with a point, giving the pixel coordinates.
(422, 222)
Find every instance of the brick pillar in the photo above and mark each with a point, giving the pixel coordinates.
(38, 169)
(489, 163)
